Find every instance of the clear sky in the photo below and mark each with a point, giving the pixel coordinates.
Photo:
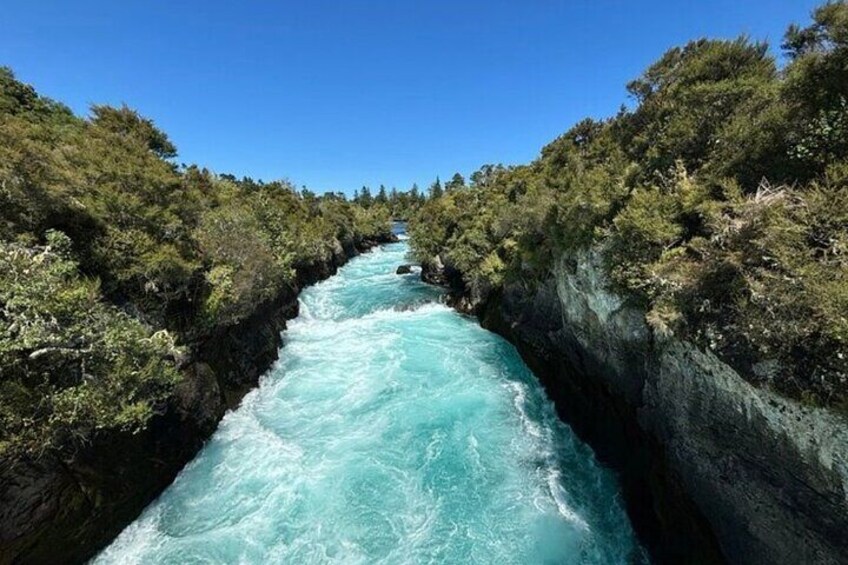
(340, 94)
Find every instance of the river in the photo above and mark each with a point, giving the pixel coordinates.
(393, 430)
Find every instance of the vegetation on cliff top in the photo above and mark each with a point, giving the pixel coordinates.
(720, 201)
(114, 261)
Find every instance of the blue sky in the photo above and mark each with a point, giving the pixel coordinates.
(340, 94)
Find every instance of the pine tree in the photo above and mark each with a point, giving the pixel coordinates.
(365, 199)
(381, 197)
(436, 189)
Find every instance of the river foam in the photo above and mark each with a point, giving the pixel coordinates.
(392, 430)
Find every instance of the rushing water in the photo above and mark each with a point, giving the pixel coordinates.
(393, 430)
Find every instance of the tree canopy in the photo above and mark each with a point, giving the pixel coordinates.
(114, 259)
(720, 202)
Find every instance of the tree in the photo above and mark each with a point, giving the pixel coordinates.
(382, 199)
(436, 189)
(689, 95)
(126, 122)
(816, 90)
(456, 182)
(828, 32)
(486, 174)
(365, 198)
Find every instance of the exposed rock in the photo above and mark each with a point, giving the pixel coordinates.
(365, 244)
(712, 467)
(64, 509)
(433, 271)
(442, 272)
(404, 270)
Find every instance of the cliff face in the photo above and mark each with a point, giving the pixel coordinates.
(712, 467)
(63, 510)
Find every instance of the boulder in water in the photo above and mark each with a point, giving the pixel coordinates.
(404, 270)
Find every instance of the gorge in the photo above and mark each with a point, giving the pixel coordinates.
(393, 429)
(630, 348)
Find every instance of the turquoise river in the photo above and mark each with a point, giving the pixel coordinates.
(392, 430)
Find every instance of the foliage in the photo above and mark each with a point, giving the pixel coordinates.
(720, 201)
(150, 250)
(399, 205)
(72, 364)
(244, 270)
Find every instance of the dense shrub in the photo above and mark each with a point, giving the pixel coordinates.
(720, 201)
(111, 254)
(72, 364)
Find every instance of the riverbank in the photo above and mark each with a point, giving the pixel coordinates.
(56, 510)
(712, 468)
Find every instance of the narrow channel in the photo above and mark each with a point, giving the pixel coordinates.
(392, 430)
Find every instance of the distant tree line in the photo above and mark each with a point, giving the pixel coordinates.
(401, 205)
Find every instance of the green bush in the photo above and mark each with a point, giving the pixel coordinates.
(720, 201)
(154, 254)
(72, 364)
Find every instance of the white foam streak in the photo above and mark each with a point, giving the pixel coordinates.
(557, 492)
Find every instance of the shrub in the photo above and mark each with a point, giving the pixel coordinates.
(676, 192)
(72, 364)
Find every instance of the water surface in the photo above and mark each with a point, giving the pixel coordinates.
(392, 430)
